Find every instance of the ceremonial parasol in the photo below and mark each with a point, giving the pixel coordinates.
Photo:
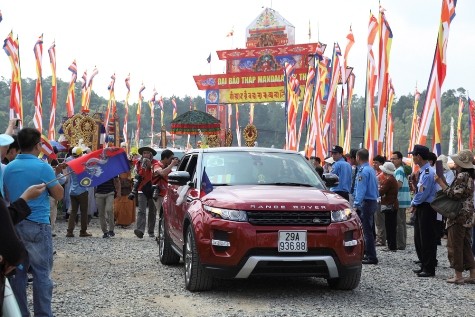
(193, 122)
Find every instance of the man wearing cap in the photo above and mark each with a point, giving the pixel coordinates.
(144, 173)
(426, 218)
(365, 202)
(35, 230)
(79, 197)
(342, 169)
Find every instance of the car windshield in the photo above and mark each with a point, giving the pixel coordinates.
(259, 168)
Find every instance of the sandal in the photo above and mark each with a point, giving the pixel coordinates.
(454, 280)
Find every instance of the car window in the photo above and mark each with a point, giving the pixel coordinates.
(249, 168)
(176, 152)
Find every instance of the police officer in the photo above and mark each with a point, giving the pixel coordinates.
(425, 226)
(365, 202)
(342, 169)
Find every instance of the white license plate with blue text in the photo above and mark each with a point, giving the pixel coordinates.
(292, 241)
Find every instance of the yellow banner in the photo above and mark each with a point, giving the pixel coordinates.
(259, 94)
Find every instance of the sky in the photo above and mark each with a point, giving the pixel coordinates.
(162, 44)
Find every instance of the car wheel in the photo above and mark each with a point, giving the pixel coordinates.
(165, 252)
(196, 278)
(348, 282)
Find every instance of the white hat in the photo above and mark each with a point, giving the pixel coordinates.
(388, 168)
(5, 140)
(76, 151)
(330, 160)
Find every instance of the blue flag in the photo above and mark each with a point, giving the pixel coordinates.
(206, 183)
(99, 166)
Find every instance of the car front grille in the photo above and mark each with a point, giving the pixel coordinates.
(289, 218)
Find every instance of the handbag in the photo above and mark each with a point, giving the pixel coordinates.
(445, 205)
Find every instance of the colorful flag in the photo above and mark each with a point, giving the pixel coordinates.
(414, 122)
(89, 90)
(471, 123)
(54, 92)
(432, 105)
(151, 104)
(126, 106)
(139, 109)
(70, 99)
(292, 93)
(99, 166)
(251, 113)
(459, 126)
(175, 109)
(309, 91)
(38, 117)
(335, 79)
(11, 48)
(385, 41)
(238, 130)
(370, 133)
(111, 109)
(162, 111)
(350, 87)
(84, 91)
(46, 148)
(349, 45)
(389, 140)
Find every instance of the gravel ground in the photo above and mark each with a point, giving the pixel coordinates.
(122, 276)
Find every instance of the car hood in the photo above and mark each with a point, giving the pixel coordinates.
(267, 197)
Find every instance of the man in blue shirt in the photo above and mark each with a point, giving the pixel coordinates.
(425, 226)
(342, 169)
(35, 230)
(365, 202)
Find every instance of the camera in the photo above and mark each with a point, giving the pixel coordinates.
(155, 192)
(135, 187)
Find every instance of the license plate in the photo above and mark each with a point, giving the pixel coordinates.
(292, 241)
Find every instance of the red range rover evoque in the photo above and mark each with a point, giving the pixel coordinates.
(242, 212)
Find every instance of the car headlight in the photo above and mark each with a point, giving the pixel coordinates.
(341, 215)
(227, 214)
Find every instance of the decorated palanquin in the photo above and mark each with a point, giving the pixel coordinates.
(255, 74)
(91, 130)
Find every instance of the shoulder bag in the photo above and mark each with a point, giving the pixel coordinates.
(445, 205)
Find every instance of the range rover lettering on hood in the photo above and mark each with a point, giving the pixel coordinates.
(294, 207)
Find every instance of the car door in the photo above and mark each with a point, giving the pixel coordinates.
(180, 200)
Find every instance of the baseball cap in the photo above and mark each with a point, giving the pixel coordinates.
(5, 140)
(336, 149)
(76, 151)
(420, 150)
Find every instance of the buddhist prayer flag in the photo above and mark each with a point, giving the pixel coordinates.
(38, 117)
(370, 133)
(70, 99)
(291, 100)
(175, 109)
(139, 109)
(84, 91)
(111, 108)
(390, 126)
(99, 166)
(415, 123)
(126, 106)
(350, 87)
(309, 91)
(151, 104)
(459, 126)
(238, 130)
(432, 105)
(385, 41)
(54, 92)
(11, 48)
(335, 79)
(46, 148)
(471, 123)
(89, 90)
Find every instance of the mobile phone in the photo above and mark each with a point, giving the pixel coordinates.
(17, 123)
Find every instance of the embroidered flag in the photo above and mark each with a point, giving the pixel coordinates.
(99, 166)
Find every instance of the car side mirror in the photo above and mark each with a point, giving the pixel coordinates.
(179, 178)
(331, 180)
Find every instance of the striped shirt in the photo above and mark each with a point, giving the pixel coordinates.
(403, 196)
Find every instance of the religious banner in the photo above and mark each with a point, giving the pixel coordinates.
(262, 94)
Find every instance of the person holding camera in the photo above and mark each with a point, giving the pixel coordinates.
(160, 176)
(142, 189)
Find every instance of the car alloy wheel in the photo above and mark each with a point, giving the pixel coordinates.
(196, 277)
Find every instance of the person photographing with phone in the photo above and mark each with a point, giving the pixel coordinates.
(160, 176)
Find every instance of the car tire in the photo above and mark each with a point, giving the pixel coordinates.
(165, 252)
(196, 277)
(349, 281)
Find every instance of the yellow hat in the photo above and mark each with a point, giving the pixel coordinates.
(76, 151)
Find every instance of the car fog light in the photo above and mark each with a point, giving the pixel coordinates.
(220, 243)
(350, 243)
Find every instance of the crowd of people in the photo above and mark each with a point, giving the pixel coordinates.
(384, 193)
(32, 186)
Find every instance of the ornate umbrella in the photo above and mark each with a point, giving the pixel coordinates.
(194, 121)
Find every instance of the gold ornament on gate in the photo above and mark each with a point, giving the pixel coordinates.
(213, 140)
(228, 141)
(250, 134)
